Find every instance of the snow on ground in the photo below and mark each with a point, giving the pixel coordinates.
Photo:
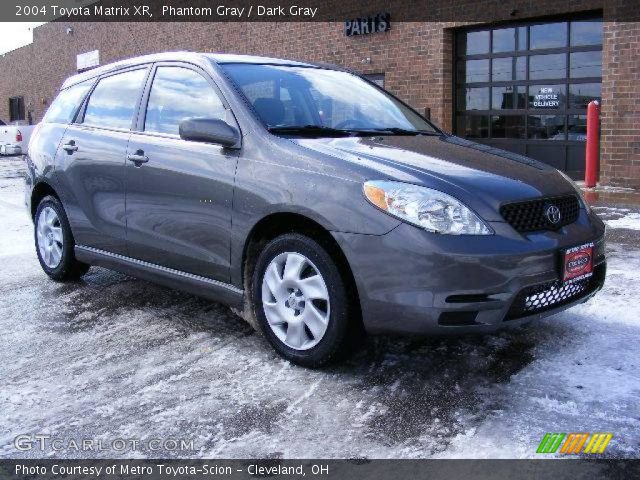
(630, 221)
(113, 357)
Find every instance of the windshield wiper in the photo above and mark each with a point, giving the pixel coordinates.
(312, 130)
(319, 130)
(399, 131)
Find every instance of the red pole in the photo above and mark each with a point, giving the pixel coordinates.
(593, 144)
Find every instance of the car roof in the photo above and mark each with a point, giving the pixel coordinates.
(219, 58)
(223, 58)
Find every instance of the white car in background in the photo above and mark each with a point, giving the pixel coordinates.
(14, 138)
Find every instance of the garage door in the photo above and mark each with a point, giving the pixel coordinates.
(525, 87)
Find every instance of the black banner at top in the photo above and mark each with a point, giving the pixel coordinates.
(301, 11)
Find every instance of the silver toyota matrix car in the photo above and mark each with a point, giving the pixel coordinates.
(309, 199)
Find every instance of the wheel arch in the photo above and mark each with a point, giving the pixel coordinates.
(276, 224)
(41, 190)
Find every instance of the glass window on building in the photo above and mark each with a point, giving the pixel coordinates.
(580, 94)
(473, 126)
(546, 127)
(585, 64)
(507, 126)
(547, 97)
(548, 35)
(577, 128)
(502, 98)
(521, 68)
(501, 69)
(504, 40)
(471, 98)
(474, 71)
(525, 87)
(547, 66)
(474, 43)
(588, 32)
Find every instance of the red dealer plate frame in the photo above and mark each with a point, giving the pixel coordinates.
(577, 263)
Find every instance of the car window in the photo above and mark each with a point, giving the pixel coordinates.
(178, 93)
(113, 101)
(288, 96)
(66, 104)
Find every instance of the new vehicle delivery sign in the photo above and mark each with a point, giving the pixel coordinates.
(546, 97)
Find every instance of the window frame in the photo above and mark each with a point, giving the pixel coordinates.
(138, 128)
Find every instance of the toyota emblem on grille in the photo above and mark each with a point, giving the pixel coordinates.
(552, 213)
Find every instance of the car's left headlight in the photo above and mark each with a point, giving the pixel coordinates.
(424, 207)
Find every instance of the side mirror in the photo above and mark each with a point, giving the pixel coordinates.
(209, 130)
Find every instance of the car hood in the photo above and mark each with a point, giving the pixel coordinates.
(482, 176)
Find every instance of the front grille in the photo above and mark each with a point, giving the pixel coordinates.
(529, 216)
(545, 296)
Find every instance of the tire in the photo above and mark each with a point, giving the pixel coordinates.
(54, 242)
(298, 299)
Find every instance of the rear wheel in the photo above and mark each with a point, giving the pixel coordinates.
(54, 242)
(300, 301)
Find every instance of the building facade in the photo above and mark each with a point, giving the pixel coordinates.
(520, 82)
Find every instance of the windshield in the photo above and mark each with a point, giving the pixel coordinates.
(291, 99)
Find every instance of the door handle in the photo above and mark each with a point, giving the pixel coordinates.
(138, 158)
(70, 147)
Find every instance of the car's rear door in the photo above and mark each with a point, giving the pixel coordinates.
(90, 163)
(179, 197)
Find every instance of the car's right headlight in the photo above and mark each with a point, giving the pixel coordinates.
(426, 208)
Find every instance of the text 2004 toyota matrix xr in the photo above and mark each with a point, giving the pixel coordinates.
(305, 196)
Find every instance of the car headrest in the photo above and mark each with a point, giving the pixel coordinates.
(271, 110)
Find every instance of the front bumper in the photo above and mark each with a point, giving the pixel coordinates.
(414, 282)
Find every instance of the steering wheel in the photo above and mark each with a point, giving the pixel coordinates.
(350, 123)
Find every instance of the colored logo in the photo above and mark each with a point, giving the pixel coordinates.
(578, 262)
(553, 213)
(574, 443)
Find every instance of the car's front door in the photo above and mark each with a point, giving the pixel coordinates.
(90, 163)
(179, 192)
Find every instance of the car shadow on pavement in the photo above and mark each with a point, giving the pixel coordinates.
(437, 386)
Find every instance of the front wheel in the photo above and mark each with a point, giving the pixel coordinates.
(54, 242)
(300, 301)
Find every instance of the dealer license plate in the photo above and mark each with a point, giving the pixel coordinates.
(577, 263)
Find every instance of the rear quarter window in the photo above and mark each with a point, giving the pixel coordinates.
(66, 104)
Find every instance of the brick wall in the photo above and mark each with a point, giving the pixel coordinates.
(416, 57)
(620, 113)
